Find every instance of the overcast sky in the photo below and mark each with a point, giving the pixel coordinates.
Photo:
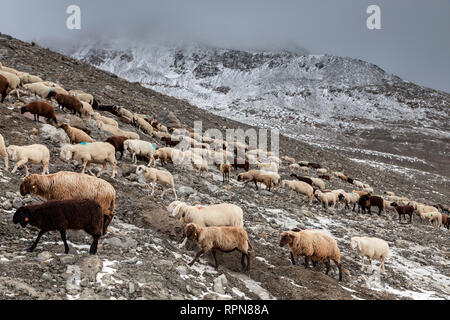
(414, 41)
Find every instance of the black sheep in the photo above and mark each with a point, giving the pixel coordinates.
(61, 215)
(304, 179)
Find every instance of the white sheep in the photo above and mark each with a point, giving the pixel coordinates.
(271, 166)
(322, 170)
(3, 152)
(217, 215)
(87, 109)
(28, 78)
(35, 153)
(318, 183)
(13, 81)
(87, 153)
(289, 159)
(141, 148)
(358, 184)
(105, 120)
(38, 88)
(327, 198)
(299, 187)
(350, 198)
(373, 248)
(116, 131)
(153, 176)
(82, 96)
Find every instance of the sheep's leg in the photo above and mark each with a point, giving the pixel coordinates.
(215, 258)
(174, 193)
(248, 261)
(292, 258)
(164, 191)
(339, 265)
(181, 245)
(256, 184)
(153, 189)
(362, 267)
(196, 257)
(18, 164)
(103, 169)
(26, 170)
(63, 237)
(93, 249)
(382, 264)
(84, 167)
(33, 246)
(370, 263)
(306, 262)
(327, 264)
(106, 221)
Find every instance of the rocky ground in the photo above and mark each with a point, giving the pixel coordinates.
(139, 258)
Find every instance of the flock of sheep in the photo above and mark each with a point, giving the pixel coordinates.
(81, 201)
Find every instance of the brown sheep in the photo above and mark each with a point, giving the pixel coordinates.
(40, 108)
(76, 135)
(316, 246)
(117, 142)
(367, 201)
(225, 169)
(324, 176)
(62, 215)
(67, 101)
(4, 85)
(225, 239)
(403, 211)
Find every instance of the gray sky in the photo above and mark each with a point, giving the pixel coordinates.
(414, 42)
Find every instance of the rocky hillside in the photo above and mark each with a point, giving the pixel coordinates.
(333, 102)
(139, 258)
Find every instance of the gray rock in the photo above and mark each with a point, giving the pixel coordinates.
(184, 191)
(181, 270)
(89, 267)
(49, 132)
(46, 276)
(17, 203)
(7, 205)
(220, 284)
(126, 243)
(10, 194)
(44, 256)
(131, 287)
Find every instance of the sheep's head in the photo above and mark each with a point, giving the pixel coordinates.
(64, 126)
(51, 93)
(286, 238)
(26, 185)
(12, 152)
(355, 243)
(66, 153)
(140, 169)
(239, 177)
(22, 216)
(23, 110)
(191, 231)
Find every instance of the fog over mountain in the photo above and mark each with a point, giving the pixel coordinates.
(410, 44)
